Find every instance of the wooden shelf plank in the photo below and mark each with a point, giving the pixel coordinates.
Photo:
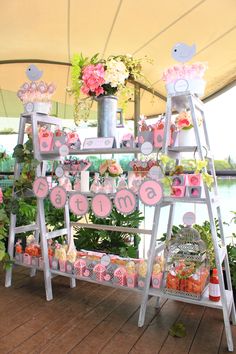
(111, 228)
(56, 233)
(26, 228)
(204, 301)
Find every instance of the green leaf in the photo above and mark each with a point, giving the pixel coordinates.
(178, 330)
(2, 254)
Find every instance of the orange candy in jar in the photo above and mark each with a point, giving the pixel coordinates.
(18, 247)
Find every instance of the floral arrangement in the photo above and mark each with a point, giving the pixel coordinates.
(94, 77)
(75, 165)
(36, 92)
(111, 167)
(141, 168)
(186, 71)
(184, 121)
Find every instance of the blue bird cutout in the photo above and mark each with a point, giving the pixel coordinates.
(183, 52)
(33, 73)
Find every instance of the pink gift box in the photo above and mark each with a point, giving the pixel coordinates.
(69, 267)
(27, 259)
(100, 272)
(156, 280)
(120, 276)
(80, 267)
(144, 136)
(19, 257)
(62, 266)
(41, 263)
(132, 280)
(179, 180)
(45, 140)
(35, 261)
(71, 138)
(141, 282)
(194, 180)
(54, 263)
(178, 192)
(158, 136)
(194, 192)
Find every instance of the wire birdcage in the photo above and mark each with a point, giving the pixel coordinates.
(187, 268)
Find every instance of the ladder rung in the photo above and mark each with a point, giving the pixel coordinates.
(184, 200)
(56, 233)
(198, 104)
(160, 247)
(26, 228)
(112, 228)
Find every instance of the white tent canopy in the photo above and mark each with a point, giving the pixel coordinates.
(50, 32)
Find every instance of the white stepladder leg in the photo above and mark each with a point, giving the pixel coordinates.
(44, 247)
(36, 236)
(151, 256)
(69, 236)
(11, 239)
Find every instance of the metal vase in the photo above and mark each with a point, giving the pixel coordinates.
(107, 109)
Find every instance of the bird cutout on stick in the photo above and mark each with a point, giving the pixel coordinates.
(183, 52)
(33, 73)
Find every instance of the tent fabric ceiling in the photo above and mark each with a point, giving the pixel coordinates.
(52, 31)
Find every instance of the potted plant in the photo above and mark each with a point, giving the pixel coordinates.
(99, 78)
(115, 242)
(231, 250)
(4, 221)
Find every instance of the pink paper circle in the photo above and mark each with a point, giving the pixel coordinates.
(125, 201)
(58, 197)
(150, 192)
(101, 205)
(78, 204)
(40, 187)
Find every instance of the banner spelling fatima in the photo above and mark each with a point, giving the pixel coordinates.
(150, 193)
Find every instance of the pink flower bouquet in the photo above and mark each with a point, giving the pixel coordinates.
(186, 71)
(111, 167)
(94, 77)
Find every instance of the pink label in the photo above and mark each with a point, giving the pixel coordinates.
(150, 192)
(78, 204)
(58, 197)
(125, 201)
(101, 205)
(40, 187)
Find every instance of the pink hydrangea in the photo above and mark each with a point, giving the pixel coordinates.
(93, 79)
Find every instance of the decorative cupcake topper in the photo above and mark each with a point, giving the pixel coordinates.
(36, 95)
